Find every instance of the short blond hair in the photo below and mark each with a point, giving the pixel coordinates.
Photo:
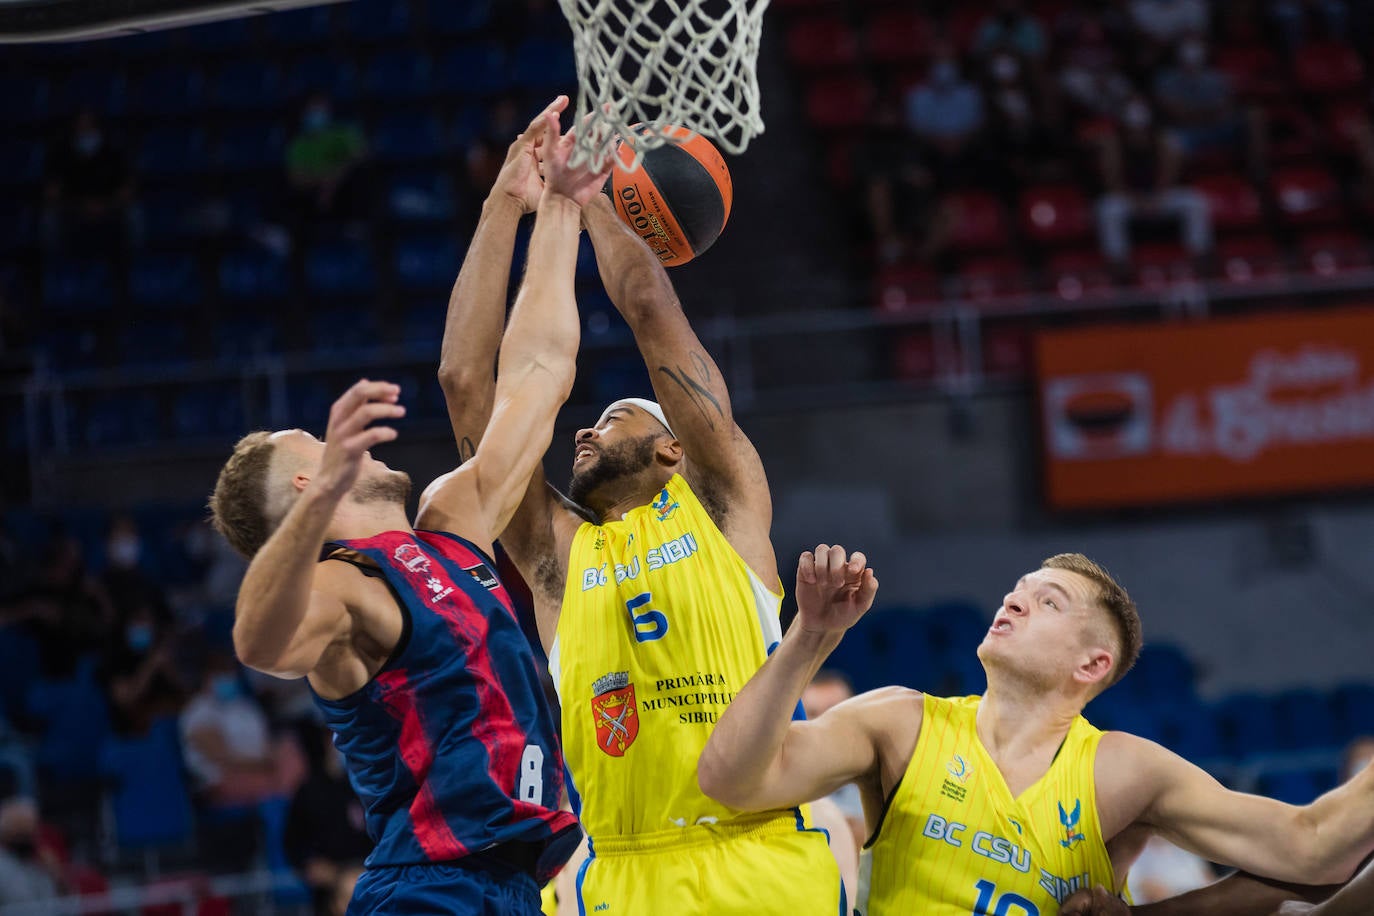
(238, 505)
(1113, 599)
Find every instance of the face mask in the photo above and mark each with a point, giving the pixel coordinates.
(87, 142)
(315, 117)
(123, 552)
(226, 687)
(139, 636)
(943, 73)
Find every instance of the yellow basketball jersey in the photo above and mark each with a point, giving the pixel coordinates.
(953, 841)
(662, 623)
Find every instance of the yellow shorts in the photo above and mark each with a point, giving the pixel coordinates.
(760, 863)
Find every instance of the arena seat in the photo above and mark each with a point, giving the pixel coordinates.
(898, 37)
(173, 152)
(208, 411)
(154, 342)
(377, 20)
(1251, 259)
(398, 75)
(913, 357)
(427, 263)
(1306, 720)
(344, 330)
(1075, 275)
(821, 43)
(480, 68)
(244, 338)
(106, 92)
(1328, 68)
(1307, 196)
(165, 281)
(1007, 350)
(1232, 201)
(332, 76)
(124, 418)
(247, 85)
(1253, 70)
(1331, 253)
(839, 103)
(445, 17)
(1246, 726)
(21, 162)
(1353, 706)
(148, 796)
(170, 90)
(251, 147)
(313, 25)
(991, 276)
(1055, 214)
(78, 285)
(421, 197)
(1296, 787)
(250, 275)
(340, 269)
(408, 136)
(979, 222)
(907, 288)
(1186, 728)
(544, 64)
(75, 723)
(25, 99)
(1162, 264)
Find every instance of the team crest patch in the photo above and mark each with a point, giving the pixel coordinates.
(410, 556)
(483, 576)
(1070, 822)
(958, 768)
(614, 712)
(664, 506)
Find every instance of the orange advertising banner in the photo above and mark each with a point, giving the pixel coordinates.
(1263, 405)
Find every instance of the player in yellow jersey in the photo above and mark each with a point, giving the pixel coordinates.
(656, 591)
(1005, 804)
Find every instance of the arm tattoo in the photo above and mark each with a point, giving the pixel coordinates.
(466, 450)
(696, 390)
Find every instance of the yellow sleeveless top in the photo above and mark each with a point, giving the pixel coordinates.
(662, 623)
(953, 841)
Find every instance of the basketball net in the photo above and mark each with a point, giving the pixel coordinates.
(647, 65)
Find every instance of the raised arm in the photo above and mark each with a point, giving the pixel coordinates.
(282, 624)
(721, 461)
(757, 756)
(477, 304)
(1319, 843)
(537, 362)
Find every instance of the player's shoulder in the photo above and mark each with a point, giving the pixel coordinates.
(887, 710)
(1123, 752)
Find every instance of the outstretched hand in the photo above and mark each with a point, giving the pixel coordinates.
(349, 436)
(577, 183)
(1096, 902)
(519, 176)
(833, 589)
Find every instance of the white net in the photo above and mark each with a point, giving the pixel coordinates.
(647, 65)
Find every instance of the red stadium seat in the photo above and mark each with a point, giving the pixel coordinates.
(1248, 260)
(1055, 214)
(839, 103)
(1160, 265)
(991, 277)
(1293, 137)
(1253, 70)
(1345, 122)
(1006, 351)
(914, 358)
(1330, 253)
(821, 43)
(979, 221)
(1075, 275)
(963, 24)
(1307, 196)
(899, 37)
(1328, 68)
(907, 289)
(839, 162)
(1233, 202)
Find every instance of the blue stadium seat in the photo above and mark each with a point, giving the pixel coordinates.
(955, 628)
(78, 285)
(1246, 726)
(251, 275)
(378, 20)
(1306, 721)
(421, 197)
(208, 412)
(469, 124)
(399, 75)
(407, 137)
(586, 261)
(19, 658)
(173, 151)
(341, 268)
(105, 91)
(1296, 787)
(422, 327)
(899, 650)
(75, 723)
(247, 85)
(166, 281)
(600, 321)
(427, 263)
(448, 18)
(25, 99)
(21, 162)
(298, 28)
(619, 374)
(252, 147)
(242, 339)
(149, 797)
(161, 342)
(1353, 705)
(476, 69)
(126, 418)
(544, 64)
(66, 349)
(173, 90)
(336, 78)
(1187, 729)
(343, 330)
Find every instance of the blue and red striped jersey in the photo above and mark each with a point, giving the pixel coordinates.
(451, 746)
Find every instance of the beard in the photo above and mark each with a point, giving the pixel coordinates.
(388, 487)
(622, 460)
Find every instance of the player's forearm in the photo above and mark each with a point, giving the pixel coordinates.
(748, 742)
(1339, 832)
(476, 316)
(275, 594)
(544, 326)
(1238, 895)
(634, 279)
(1355, 899)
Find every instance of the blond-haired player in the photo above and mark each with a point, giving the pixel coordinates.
(1006, 804)
(656, 595)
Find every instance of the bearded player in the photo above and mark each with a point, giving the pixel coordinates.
(407, 638)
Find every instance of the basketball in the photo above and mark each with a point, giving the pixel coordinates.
(677, 200)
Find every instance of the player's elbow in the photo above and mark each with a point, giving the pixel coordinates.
(720, 782)
(1318, 857)
(463, 381)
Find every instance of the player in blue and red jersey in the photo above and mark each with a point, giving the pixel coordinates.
(407, 637)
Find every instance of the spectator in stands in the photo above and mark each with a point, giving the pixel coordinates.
(1021, 127)
(1011, 29)
(1297, 20)
(227, 741)
(28, 874)
(1166, 22)
(1140, 168)
(65, 610)
(129, 587)
(140, 674)
(1196, 101)
(1163, 870)
(326, 164)
(907, 217)
(945, 114)
(88, 201)
(326, 840)
(1090, 74)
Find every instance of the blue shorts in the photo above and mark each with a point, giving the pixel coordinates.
(443, 889)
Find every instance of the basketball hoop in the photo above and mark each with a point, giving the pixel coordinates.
(646, 66)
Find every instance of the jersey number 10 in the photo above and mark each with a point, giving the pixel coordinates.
(1009, 904)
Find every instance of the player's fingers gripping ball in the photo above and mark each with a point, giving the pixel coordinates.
(677, 200)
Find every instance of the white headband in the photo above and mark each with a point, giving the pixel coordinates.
(649, 407)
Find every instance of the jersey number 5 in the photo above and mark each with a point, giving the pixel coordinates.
(648, 624)
(1008, 904)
